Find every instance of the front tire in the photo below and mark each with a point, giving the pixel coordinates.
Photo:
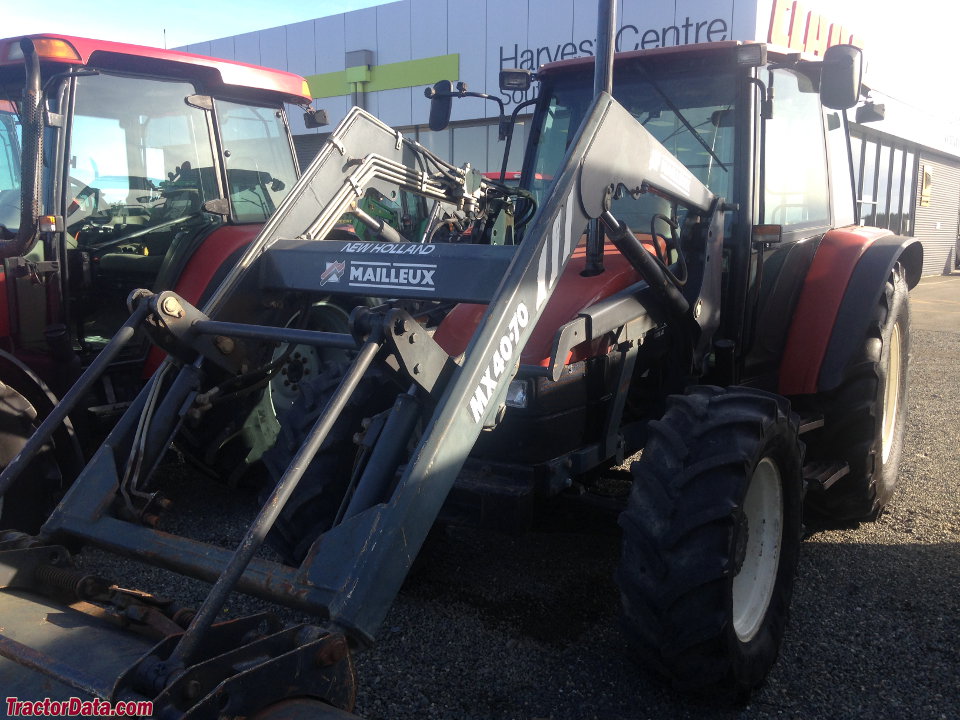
(235, 435)
(711, 537)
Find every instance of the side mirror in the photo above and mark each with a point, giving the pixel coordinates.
(841, 74)
(315, 118)
(441, 104)
(871, 112)
(217, 206)
(513, 79)
(723, 118)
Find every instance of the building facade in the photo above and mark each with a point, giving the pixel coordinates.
(907, 166)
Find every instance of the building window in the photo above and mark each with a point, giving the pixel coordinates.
(436, 142)
(896, 193)
(886, 182)
(883, 187)
(868, 184)
(906, 199)
(856, 154)
(470, 146)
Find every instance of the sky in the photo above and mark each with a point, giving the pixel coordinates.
(910, 52)
(174, 22)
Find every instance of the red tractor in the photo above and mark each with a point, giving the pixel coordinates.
(680, 272)
(121, 167)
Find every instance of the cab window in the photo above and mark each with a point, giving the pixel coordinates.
(796, 191)
(260, 166)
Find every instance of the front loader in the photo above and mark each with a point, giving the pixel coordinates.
(519, 344)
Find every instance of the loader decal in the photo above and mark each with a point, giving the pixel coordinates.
(555, 252)
(499, 363)
(334, 272)
(389, 248)
(392, 275)
(672, 170)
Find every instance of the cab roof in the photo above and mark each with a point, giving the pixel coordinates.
(224, 75)
(707, 48)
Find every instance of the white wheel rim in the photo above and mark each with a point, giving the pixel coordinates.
(891, 394)
(755, 579)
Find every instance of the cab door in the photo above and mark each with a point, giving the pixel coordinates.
(795, 194)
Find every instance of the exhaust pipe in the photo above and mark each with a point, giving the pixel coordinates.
(602, 82)
(606, 31)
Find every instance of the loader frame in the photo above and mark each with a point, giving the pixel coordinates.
(355, 569)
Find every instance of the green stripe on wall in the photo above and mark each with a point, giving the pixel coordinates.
(408, 73)
(329, 84)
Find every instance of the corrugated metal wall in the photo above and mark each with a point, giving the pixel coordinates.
(937, 223)
(307, 147)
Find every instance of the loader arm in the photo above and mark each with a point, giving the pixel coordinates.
(594, 163)
(354, 570)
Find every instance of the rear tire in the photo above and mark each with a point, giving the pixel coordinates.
(711, 537)
(865, 418)
(312, 508)
(36, 492)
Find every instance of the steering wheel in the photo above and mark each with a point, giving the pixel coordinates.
(132, 237)
(82, 196)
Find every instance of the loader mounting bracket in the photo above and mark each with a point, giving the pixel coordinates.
(171, 324)
(420, 358)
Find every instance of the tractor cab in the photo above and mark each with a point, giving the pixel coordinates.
(763, 128)
(154, 167)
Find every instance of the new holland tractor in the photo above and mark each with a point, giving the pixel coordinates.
(680, 273)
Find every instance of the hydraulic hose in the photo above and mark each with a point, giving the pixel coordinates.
(644, 263)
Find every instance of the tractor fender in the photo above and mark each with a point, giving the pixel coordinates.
(206, 268)
(211, 259)
(844, 282)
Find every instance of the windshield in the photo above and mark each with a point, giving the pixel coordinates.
(689, 109)
(9, 166)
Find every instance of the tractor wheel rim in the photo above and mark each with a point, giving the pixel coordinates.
(891, 394)
(756, 577)
(305, 361)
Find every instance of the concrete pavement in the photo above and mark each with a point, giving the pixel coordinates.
(935, 303)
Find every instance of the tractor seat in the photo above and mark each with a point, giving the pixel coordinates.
(121, 263)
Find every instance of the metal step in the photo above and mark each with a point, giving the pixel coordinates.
(824, 475)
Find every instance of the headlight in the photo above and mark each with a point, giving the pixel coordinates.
(517, 393)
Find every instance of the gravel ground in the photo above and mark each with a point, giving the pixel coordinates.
(495, 627)
(489, 626)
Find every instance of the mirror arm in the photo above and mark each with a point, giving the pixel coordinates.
(506, 133)
(466, 93)
(432, 93)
